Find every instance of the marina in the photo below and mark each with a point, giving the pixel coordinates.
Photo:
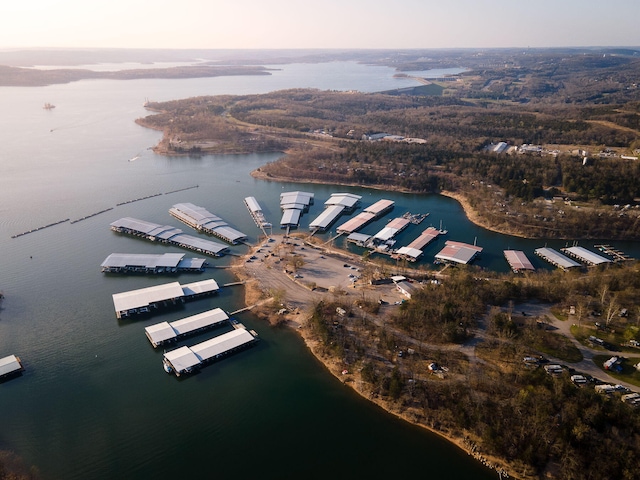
(166, 332)
(556, 259)
(167, 234)
(185, 360)
(518, 261)
(10, 366)
(151, 299)
(202, 220)
(585, 256)
(136, 263)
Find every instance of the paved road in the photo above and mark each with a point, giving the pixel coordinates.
(564, 327)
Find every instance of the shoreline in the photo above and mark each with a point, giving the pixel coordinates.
(255, 295)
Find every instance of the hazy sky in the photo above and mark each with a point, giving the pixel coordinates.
(322, 24)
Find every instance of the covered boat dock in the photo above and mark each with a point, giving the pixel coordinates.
(204, 221)
(146, 300)
(167, 332)
(186, 359)
(414, 250)
(586, 256)
(10, 366)
(458, 252)
(518, 261)
(367, 215)
(556, 259)
(151, 263)
(167, 234)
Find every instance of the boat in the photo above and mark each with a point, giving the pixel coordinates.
(48, 106)
(167, 367)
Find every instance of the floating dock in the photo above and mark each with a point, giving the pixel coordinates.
(257, 214)
(518, 261)
(556, 259)
(10, 366)
(293, 204)
(617, 255)
(458, 252)
(586, 256)
(360, 239)
(150, 299)
(165, 332)
(151, 264)
(387, 234)
(338, 204)
(369, 214)
(415, 249)
(167, 234)
(186, 360)
(204, 221)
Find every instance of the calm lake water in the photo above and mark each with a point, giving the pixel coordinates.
(94, 401)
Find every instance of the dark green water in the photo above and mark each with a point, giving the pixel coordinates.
(94, 402)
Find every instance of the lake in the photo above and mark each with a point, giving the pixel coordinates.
(94, 401)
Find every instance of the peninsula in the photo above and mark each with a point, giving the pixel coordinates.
(509, 367)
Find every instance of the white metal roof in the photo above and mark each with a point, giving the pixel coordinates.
(222, 343)
(359, 237)
(347, 200)
(160, 332)
(199, 244)
(145, 296)
(182, 358)
(202, 286)
(587, 255)
(409, 252)
(556, 258)
(327, 217)
(253, 204)
(9, 365)
(142, 260)
(290, 217)
(201, 320)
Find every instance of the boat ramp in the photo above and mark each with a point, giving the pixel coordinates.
(204, 221)
(167, 234)
(166, 332)
(150, 299)
(185, 360)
